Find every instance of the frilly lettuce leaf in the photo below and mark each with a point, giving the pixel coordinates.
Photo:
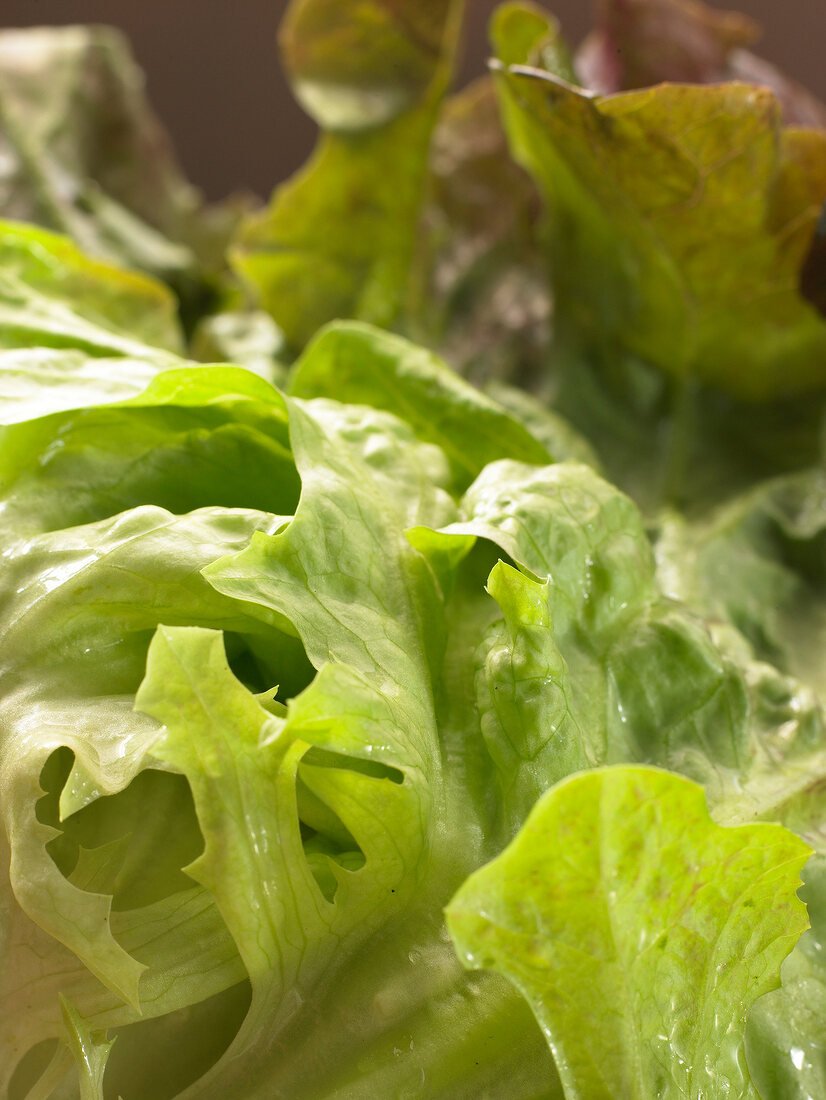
(363, 366)
(54, 295)
(75, 692)
(83, 154)
(153, 938)
(631, 933)
(693, 377)
(640, 677)
(129, 918)
(634, 182)
(339, 239)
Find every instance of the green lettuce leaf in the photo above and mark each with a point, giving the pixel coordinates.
(53, 295)
(756, 563)
(83, 154)
(639, 931)
(365, 366)
(784, 1039)
(641, 677)
(37, 381)
(87, 826)
(77, 842)
(178, 445)
(89, 1050)
(339, 239)
(431, 717)
(638, 183)
(561, 521)
(65, 686)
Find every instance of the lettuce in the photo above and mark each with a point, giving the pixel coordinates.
(575, 926)
(340, 238)
(373, 734)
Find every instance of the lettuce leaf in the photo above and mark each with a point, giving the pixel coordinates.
(53, 295)
(630, 934)
(83, 154)
(339, 239)
(674, 421)
(755, 563)
(364, 366)
(637, 181)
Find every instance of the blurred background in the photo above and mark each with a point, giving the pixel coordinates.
(214, 78)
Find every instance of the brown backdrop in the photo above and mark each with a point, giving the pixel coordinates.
(213, 72)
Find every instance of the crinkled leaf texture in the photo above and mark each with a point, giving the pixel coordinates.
(99, 819)
(364, 366)
(639, 930)
(278, 674)
(650, 195)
